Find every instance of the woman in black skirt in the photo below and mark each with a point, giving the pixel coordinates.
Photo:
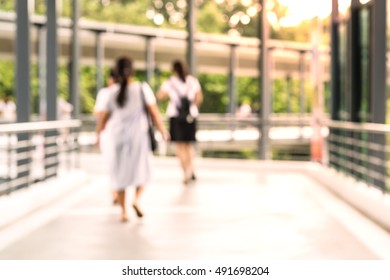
(185, 96)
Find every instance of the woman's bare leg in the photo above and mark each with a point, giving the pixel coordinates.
(182, 156)
(121, 196)
(138, 192)
(189, 160)
(137, 195)
(114, 197)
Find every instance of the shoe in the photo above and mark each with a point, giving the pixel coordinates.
(138, 211)
(193, 177)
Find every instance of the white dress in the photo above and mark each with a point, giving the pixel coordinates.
(101, 106)
(126, 140)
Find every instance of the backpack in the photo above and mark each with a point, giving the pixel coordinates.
(183, 108)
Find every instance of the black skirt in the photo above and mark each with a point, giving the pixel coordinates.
(182, 131)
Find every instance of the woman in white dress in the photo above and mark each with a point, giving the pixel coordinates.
(99, 109)
(181, 86)
(127, 143)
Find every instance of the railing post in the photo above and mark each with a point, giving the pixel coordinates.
(22, 78)
(74, 63)
(264, 89)
(42, 71)
(302, 99)
(149, 60)
(335, 78)
(51, 158)
(232, 88)
(378, 82)
(77, 163)
(191, 10)
(99, 61)
(289, 92)
(9, 162)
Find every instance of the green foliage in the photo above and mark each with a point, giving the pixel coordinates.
(7, 79)
(63, 82)
(327, 96)
(129, 12)
(7, 5)
(62, 85)
(214, 86)
(241, 154)
(34, 89)
(211, 20)
(87, 85)
(247, 88)
(280, 96)
(300, 33)
(40, 7)
(159, 78)
(88, 88)
(215, 90)
(66, 8)
(291, 153)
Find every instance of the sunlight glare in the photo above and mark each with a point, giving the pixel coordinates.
(297, 14)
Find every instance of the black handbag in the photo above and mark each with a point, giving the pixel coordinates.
(152, 137)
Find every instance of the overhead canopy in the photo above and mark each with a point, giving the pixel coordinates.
(213, 51)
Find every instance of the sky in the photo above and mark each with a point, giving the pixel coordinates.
(306, 9)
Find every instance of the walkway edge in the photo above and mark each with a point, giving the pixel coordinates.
(17, 205)
(368, 200)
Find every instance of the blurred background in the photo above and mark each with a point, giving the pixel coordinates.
(304, 82)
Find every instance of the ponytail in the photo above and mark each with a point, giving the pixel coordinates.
(121, 98)
(180, 70)
(124, 67)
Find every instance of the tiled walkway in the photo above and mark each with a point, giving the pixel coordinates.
(236, 210)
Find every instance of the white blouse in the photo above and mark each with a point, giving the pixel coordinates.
(119, 115)
(106, 97)
(102, 98)
(176, 89)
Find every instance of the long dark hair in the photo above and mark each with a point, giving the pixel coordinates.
(124, 68)
(180, 69)
(113, 74)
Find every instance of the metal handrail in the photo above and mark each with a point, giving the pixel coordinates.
(360, 150)
(36, 151)
(359, 127)
(38, 126)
